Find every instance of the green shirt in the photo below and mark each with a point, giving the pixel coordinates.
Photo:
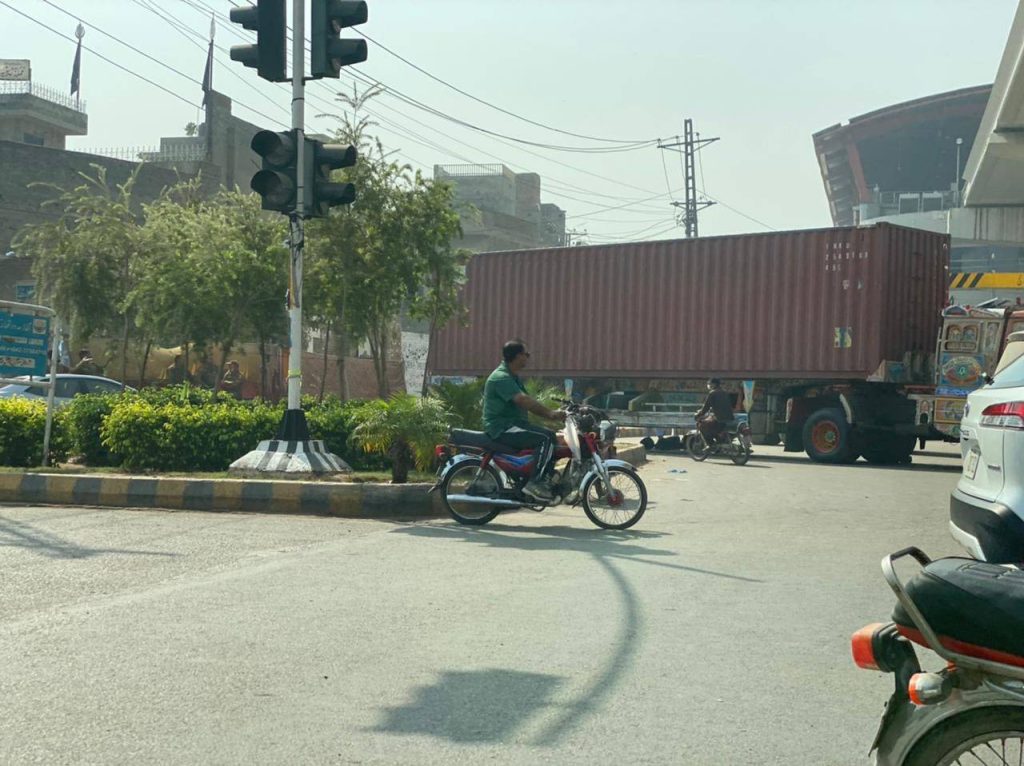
(500, 411)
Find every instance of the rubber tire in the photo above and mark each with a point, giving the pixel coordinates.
(891, 453)
(473, 522)
(741, 457)
(585, 495)
(838, 419)
(945, 737)
(700, 457)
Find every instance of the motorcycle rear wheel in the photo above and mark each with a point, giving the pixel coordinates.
(608, 512)
(982, 733)
(459, 482)
(741, 456)
(697, 447)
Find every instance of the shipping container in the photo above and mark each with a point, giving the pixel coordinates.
(824, 303)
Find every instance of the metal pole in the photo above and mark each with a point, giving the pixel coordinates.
(957, 197)
(297, 241)
(51, 392)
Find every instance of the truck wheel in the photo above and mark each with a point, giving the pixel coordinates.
(827, 436)
(891, 450)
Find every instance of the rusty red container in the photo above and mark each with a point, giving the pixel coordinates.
(822, 303)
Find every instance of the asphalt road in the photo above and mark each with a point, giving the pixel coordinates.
(715, 632)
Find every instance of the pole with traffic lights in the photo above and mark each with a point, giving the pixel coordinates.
(294, 177)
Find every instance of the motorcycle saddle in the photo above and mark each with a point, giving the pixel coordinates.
(478, 440)
(976, 608)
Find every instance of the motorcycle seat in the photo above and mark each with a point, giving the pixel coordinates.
(461, 437)
(976, 608)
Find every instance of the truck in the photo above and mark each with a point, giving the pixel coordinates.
(826, 337)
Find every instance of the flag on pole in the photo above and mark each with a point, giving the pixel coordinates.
(76, 69)
(208, 74)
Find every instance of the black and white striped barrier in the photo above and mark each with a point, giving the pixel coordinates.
(277, 456)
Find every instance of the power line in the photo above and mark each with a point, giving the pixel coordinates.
(488, 103)
(100, 55)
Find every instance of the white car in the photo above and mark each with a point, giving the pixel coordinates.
(986, 510)
(68, 387)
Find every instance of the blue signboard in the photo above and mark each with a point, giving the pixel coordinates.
(23, 344)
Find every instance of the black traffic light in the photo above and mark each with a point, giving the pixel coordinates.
(267, 17)
(323, 194)
(329, 52)
(277, 182)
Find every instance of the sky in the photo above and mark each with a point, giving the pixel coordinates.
(760, 75)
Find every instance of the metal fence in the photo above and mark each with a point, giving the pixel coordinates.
(10, 88)
(455, 171)
(180, 153)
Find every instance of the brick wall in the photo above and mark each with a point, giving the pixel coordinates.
(24, 165)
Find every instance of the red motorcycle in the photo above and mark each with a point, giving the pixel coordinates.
(480, 478)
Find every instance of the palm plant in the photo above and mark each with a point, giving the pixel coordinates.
(405, 428)
(464, 401)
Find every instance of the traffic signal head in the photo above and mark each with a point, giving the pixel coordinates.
(276, 183)
(329, 52)
(267, 56)
(321, 192)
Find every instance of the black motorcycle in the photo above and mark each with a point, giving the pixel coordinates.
(734, 442)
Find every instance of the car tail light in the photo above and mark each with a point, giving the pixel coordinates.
(862, 645)
(1005, 415)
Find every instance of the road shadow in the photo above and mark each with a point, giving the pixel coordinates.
(472, 706)
(952, 466)
(605, 548)
(604, 543)
(19, 534)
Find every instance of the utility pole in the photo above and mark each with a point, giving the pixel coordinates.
(689, 146)
(580, 236)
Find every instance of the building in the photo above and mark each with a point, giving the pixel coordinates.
(901, 159)
(502, 210)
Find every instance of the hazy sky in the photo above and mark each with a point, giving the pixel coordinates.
(763, 75)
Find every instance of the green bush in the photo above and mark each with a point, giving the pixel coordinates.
(22, 423)
(82, 421)
(172, 437)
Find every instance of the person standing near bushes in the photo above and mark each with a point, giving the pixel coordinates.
(86, 365)
(232, 380)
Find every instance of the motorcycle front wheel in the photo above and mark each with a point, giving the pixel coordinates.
(464, 480)
(618, 506)
(697, 447)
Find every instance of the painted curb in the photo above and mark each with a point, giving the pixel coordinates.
(373, 501)
(352, 501)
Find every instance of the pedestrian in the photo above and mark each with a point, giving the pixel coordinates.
(176, 372)
(232, 380)
(86, 365)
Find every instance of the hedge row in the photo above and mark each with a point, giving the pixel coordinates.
(171, 429)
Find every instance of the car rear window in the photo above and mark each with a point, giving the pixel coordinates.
(1011, 375)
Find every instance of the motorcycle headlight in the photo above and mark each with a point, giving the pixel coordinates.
(608, 431)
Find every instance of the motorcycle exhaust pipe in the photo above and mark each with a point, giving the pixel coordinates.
(477, 500)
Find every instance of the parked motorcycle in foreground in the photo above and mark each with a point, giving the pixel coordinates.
(971, 614)
(479, 478)
(734, 443)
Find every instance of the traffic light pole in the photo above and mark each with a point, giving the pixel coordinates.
(293, 427)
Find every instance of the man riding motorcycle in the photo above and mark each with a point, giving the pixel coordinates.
(716, 413)
(506, 405)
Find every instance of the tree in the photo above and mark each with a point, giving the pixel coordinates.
(437, 226)
(86, 258)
